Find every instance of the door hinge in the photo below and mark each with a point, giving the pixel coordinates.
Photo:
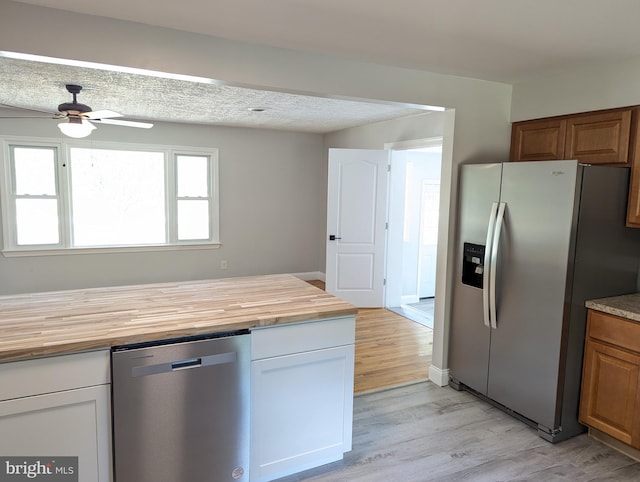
(388, 167)
(384, 282)
(386, 226)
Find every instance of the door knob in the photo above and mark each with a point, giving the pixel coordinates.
(332, 237)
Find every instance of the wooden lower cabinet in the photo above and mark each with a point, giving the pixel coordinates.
(610, 400)
(611, 403)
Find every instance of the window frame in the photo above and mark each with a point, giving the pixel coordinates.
(11, 229)
(62, 156)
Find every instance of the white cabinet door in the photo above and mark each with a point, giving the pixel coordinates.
(68, 423)
(302, 411)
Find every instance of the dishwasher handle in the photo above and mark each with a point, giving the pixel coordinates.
(189, 363)
(184, 364)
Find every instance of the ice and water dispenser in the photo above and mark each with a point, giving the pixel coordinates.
(473, 264)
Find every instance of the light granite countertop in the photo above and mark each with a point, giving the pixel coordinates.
(625, 306)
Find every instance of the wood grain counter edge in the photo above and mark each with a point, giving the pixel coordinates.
(46, 324)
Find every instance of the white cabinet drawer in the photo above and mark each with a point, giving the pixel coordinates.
(54, 374)
(300, 337)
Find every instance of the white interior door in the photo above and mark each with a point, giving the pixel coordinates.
(356, 220)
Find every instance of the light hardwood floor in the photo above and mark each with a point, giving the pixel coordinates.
(422, 432)
(391, 350)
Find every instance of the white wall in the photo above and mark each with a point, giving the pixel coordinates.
(269, 216)
(376, 135)
(481, 121)
(578, 89)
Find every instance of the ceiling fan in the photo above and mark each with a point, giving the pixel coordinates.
(79, 118)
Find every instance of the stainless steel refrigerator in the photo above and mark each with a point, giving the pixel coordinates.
(535, 240)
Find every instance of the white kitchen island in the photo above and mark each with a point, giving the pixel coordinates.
(55, 375)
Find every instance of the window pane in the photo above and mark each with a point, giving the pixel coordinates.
(193, 176)
(117, 197)
(37, 221)
(193, 220)
(35, 171)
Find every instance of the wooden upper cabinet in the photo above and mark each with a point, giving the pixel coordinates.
(633, 205)
(539, 140)
(610, 137)
(595, 138)
(599, 138)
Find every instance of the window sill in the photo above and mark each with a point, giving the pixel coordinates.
(16, 253)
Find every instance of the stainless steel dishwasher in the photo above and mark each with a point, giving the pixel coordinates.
(181, 409)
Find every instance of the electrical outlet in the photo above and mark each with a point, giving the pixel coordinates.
(223, 264)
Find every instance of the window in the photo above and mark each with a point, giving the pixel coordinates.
(192, 173)
(66, 196)
(117, 197)
(35, 192)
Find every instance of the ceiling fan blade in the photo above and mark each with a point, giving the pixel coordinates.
(101, 114)
(117, 122)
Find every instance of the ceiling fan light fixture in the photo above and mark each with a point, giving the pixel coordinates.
(76, 128)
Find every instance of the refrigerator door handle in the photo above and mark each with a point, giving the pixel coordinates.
(495, 247)
(487, 266)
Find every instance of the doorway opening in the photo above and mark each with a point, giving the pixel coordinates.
(414, 194)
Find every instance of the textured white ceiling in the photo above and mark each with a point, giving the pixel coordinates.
(41, 86)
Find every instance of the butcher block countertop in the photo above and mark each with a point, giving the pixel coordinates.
(625, 306)
(38, 324)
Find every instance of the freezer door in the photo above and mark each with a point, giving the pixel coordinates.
(479, 189)
(535, 253)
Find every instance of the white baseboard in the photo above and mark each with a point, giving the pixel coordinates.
(312, 275)
(439, 376)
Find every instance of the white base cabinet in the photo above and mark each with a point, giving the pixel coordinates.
(59, 406)
(301, 402)
(301, 396)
